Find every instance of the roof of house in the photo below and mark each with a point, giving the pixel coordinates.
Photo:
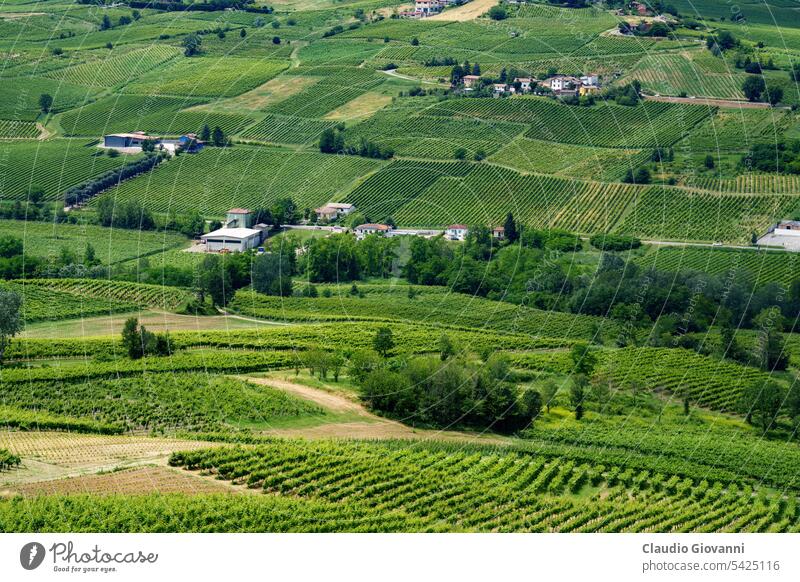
(473, 77)
(371, 226)
(789, 223)
(239, 211)
(232, 233)
(499, 229)
(134, 134)
(457, 227)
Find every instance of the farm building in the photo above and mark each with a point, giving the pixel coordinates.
(470, 80)
(499, 232)
(788, 227)
(457, 231)
(232, 239)
(127, 140)
(333, 210)
(238, 218)
(188, 143)
(366, 229)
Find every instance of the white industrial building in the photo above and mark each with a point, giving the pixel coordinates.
(232, 239)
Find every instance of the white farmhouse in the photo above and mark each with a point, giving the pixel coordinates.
(333, 210)
(456, 231)
(369, 228)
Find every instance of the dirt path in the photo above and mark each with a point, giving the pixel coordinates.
(468, 11)
(373, 427)
(329, 400)
(729, 103)
(394, 73)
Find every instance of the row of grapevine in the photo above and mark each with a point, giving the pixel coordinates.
(158, 296)
(477, 489)
(18, 129)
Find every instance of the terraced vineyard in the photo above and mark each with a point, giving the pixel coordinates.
(673, 74)
(287, 129)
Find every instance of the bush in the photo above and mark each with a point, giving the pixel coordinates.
(614, 242)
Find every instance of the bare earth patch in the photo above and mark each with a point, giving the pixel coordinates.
(271, 92)
(143, 480)
(51, 455)
(373, 427)
(154, 320)
(468, 11)
(360, 107)
(710, 101)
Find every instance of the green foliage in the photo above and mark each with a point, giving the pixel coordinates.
(10, 318)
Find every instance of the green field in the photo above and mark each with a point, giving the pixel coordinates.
(578, 371)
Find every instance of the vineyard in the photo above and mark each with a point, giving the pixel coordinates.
(479, 489)
(673, 74)
(208, 77)
(18, 129)
(649, 124)
(215, 180)
(46, 304)
(760, 267)
(8, 461)
(111, 245)
(452, 309)
(53, 165)
(138, 294)
(162, 402)
(431, 194)
(116, 70)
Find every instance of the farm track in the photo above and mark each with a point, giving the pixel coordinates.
(714, 102)
(465, 12)
(373, 427)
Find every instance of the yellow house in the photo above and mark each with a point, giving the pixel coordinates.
(587, 89)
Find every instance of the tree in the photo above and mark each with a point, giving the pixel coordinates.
(762, 403)
(510, 228)
(497, 13)
(642, 176)
(218, 137)
(549, 391)
(10, 319)
(124, 20)
(531, 404)
(361, 363)
(272, 274)
(215, 280)
(383, 342)
(243, 33)
(753, 87)
(774, 95)
(709, 161)
(577, 394)
(460, 154)
(770, 350)
(105, 24)
(45, 102)
(446, 348)
(794, 74)
(276, 40)
(583, 358)
(90, 257)
(191, 44)
(205, 133)
(601, 392)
